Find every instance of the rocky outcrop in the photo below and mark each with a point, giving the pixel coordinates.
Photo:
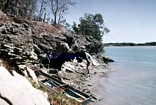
(64, 43)
(21, 47)
(16, 42)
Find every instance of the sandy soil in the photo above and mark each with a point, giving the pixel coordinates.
(76, 75)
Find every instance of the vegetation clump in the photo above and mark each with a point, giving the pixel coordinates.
(62, 99)
(56, 98)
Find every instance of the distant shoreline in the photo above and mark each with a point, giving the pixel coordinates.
(130, 44)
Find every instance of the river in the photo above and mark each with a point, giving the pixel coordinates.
(133, 77)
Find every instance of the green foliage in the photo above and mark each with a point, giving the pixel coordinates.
(27, 8)
(23, 8)
(2, 2)
(101, 49)
(91, 25)
(67, 27)
(75, 28)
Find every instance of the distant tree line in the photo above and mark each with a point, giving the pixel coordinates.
(131, 44)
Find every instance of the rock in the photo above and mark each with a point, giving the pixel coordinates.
(19, 91)
(26, 26)
(14, 31)
(63, 47)
(31, 73)
(68, 67)
(1, 24)
(37, 50)
(15, 25)
(60, 38)
(106, 60)
(103, 74)
(86, 90)
(22, 69)
(17, 50)
(33, 55)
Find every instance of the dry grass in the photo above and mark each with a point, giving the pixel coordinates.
(42, 27)
(56, 98)
(61, 99)
(37, 26)
(37, 86)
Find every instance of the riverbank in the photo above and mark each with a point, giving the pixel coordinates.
(75, 74)
(25, 44)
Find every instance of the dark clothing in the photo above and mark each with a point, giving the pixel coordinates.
(57, 60)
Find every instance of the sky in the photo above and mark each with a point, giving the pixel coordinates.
(128, 20)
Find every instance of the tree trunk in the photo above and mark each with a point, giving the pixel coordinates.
(17, 7)
(6, 6)
(44, 17)
(54, 19)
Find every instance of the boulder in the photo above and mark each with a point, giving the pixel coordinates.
(63, 47)
(32, 74)
(19, 91)
(106, 59)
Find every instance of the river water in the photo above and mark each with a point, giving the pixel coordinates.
(133, 77)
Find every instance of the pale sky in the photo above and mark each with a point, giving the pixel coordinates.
(128, 20)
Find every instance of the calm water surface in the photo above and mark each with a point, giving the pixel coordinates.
(133, 77)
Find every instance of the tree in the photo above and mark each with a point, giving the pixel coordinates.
(8, 6)
(92, 25)
(27, 8)
(43, 4)
(11, 6)
(23, 8)
(2, 3)
(75, 28)
(59, 8)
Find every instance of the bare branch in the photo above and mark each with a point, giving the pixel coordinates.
(59, 8)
